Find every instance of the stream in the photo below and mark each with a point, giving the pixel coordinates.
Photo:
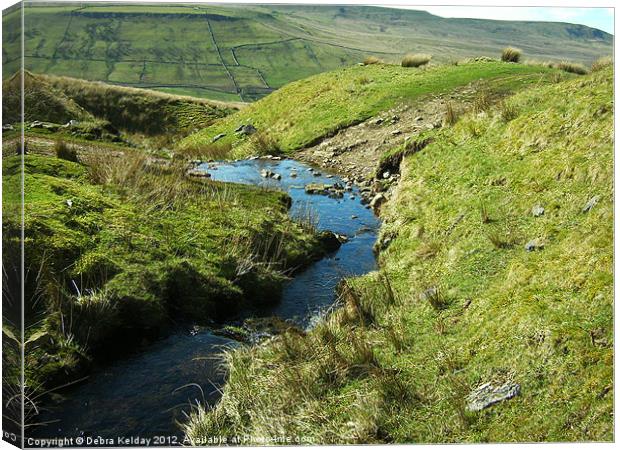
(147, 394)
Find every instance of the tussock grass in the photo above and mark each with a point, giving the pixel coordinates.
(500, 239)
(482, 102)
(508, 110)
(602, 63)
(537, 62)
(572, 67)
(511, 54)
(485, 216)
(416, 60)
(369, 60)
(452, 114)
(263, 143)
(64, 151)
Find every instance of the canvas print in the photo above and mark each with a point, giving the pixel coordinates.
(230, 224)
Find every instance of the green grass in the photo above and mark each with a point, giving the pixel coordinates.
(171, 47)
(137, 240)
(307, 110)
(449, 310)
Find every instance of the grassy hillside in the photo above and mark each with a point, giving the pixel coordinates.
(118, 249)
(496, 266)
(142, 111)
(42, 102)
(309, 109)
(60, 99)
(243, 53)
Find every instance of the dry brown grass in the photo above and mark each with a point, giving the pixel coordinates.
(64, 151)
(508, 111)
(482, 101)
(602, 63)
(416, 60)
(571, 67)
(372, 60)
(451, 115)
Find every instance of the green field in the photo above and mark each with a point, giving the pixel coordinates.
(243, 53)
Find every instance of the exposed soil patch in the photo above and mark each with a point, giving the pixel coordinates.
(355, 151)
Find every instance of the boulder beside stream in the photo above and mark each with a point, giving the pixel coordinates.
(330, 241)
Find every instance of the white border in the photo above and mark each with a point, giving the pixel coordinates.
(487, 3)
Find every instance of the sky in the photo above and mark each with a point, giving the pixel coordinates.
(601, 18)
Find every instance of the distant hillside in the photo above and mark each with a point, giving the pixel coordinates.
(60, 99)
(243, 53)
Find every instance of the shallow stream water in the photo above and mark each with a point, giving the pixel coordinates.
(147, 393)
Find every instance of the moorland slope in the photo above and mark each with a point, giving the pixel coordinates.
(243, 53)
(491, 316)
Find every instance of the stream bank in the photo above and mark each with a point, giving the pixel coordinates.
(148, 393)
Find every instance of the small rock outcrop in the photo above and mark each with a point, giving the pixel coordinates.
(218, 137)
(590, 204)
(538, 211)
(489, 394)
(246, 130)
(534, 245)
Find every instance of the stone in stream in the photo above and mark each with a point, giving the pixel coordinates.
(489, 394)
(342, 238)
(276, 176)
(293, 174)
(198, 173)
(266, 173)
(316, 188)
(329, 241)
(377, 200)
